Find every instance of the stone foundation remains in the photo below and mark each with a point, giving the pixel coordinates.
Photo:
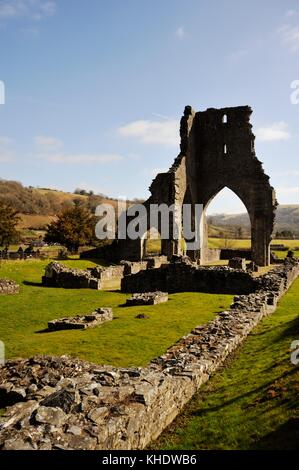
(151, 262)
(58, 275)
(112, 273)
(8, 287)
(81, 322)
(64, 403)
(185, 276)
(148, 298)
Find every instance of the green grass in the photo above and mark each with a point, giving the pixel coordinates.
(246, 243)
(234, 243)
(124, 341)
(154, 246)
(252, 403)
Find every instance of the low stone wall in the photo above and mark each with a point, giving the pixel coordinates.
(133, 267)
(64, 403)
(58, 275)
(111, 273)
(81, 322)
(148, 298)
(117, 272)
(8, 287)
(189, 277)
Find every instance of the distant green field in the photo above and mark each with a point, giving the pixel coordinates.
(125, 341)
(252, 403)
(154, 246)
(236, 243)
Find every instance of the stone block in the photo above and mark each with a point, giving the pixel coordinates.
(147, 298)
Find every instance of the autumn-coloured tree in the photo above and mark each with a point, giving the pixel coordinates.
(74, 227)
(9, 220)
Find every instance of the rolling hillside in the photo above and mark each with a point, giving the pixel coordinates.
(38, 206)
(287, 218)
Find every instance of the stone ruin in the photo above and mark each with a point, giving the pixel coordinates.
(147, 298)
(8, 287)
(237, 263)
(81, 322)
(183, 275)
(63, 403)
(216, 151)
(58, 275)
(104, 274)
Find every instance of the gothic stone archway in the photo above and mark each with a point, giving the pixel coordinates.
(220, 152)
(217, 151)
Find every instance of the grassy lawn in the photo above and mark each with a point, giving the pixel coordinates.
(246, 243)
(234, 243)
(154, 246)
(125, 341)
(252, 403)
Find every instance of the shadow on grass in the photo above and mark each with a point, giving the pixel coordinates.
(45, 330)
(286, 437)
(292, 329)
(32, 284)
(262, 388)
(145, 305)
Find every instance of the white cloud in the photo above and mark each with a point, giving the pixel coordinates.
(290, 36)
(153, 132)
(51, 149)
(290, 13)
(273, 132)
(33, 9)
(180, 32)
(6, 153)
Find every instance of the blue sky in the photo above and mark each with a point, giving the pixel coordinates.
(94, 90)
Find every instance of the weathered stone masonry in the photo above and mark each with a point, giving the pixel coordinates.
(189, 277)
(8, 287)
(58, 275)
(216, 151)
(64, 403)
(82, 322)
